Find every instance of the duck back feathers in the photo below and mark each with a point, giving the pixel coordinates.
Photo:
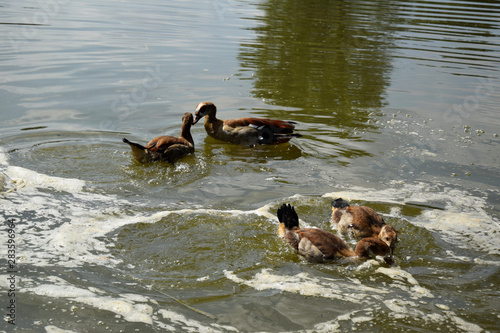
(166, 148)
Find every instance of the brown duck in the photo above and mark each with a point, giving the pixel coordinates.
(320, 245)
(244, 131)
(361, 222)
(166, 148)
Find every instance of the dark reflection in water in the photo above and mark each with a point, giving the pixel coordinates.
(329, 58)
(255, 155)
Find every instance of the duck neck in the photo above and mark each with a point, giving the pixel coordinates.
(362, 249)
(361, 252)
(211, 118)
(186, 132)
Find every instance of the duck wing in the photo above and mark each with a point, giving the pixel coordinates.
(177, 151)
(365, 221)
(277, 126)
(161, 144)
(329, 245)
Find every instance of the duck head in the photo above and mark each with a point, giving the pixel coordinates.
(389, 236)
(339, 204)
(188, 119)
(203, 109)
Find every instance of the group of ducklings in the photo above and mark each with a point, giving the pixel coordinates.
(242, 131)
(360, 222)
(375, 237)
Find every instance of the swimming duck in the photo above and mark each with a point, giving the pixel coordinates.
(321, 245)
(166, 148)
(361, 222)
(244, 131)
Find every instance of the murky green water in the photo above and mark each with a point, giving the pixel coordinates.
(398, 105)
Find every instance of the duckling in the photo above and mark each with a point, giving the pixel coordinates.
(320, 245)
(244, 131)
(166, 148)
(361, 222)
(373, 246)
(389, 236)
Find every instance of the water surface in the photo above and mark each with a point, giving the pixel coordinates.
(397, 103)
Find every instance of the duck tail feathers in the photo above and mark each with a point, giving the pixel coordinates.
(288, 216)
(133, 144)
(139, 151)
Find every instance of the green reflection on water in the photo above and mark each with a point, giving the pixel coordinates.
(330, 59)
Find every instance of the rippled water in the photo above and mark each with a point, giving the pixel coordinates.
(398, 105)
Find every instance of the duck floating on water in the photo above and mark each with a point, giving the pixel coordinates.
(245, 131)
(166, 148)
(320, 245)
(361, 222)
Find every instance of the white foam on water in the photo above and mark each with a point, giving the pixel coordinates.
(31, 178)
(326, 327)
(59, 222)
(70, 221)
(55, 329)
(4, 160)
(403, 296)
(407, 309)
(465, 227)
(132, 310)
(463, 222)
(397, 274)
(66, 228)
(50, 202)
(348, 290)
(190, 325)
(71, 224)
(65, 225)
(265, 212)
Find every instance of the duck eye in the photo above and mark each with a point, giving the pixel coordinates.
(387, 238)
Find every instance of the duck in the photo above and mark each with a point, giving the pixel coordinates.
(166, 148)
(361, 222)
(320, 245)
(245, 131)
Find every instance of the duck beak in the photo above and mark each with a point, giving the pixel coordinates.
(196, 118)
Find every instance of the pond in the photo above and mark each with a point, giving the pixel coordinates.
(397, 103)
